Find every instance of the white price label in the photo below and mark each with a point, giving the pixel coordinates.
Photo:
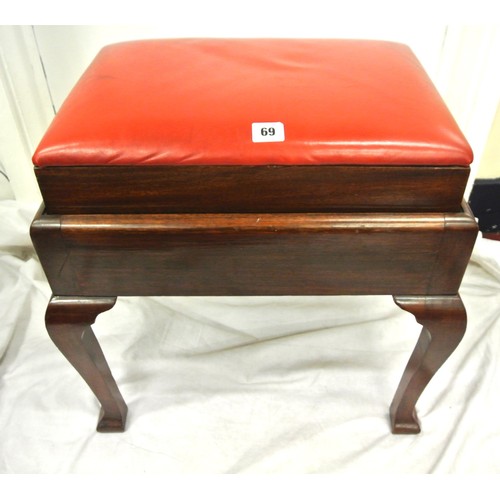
(268, 132)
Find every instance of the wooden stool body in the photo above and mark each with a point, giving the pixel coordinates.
(255, 229)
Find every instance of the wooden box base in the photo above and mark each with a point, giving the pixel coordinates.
(419, 258)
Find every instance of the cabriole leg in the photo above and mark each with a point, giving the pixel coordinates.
(68, 321)
(444, 321)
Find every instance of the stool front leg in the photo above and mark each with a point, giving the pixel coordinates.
(68, 321)
(444, 322)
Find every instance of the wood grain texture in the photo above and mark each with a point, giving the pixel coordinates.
(251, 189)
(243, 254)
(252, 254)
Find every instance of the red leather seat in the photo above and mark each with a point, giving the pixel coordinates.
(196, 107)
(193, 102)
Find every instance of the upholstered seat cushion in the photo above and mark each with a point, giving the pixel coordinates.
(193, 102)
(211, 125)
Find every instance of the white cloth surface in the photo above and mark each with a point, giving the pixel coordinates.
(244, 385)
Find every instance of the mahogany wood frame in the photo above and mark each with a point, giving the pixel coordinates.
(148, 189)
(418, 257)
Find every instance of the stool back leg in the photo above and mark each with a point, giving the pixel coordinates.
(444, 322)
(68, 321)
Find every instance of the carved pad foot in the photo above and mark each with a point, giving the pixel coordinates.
(444, 321)
(69, 321)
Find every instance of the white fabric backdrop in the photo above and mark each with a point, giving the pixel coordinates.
(244, 385)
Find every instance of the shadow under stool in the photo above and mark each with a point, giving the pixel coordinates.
(198, 167)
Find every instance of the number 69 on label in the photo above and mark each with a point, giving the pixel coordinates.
(268, 132)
